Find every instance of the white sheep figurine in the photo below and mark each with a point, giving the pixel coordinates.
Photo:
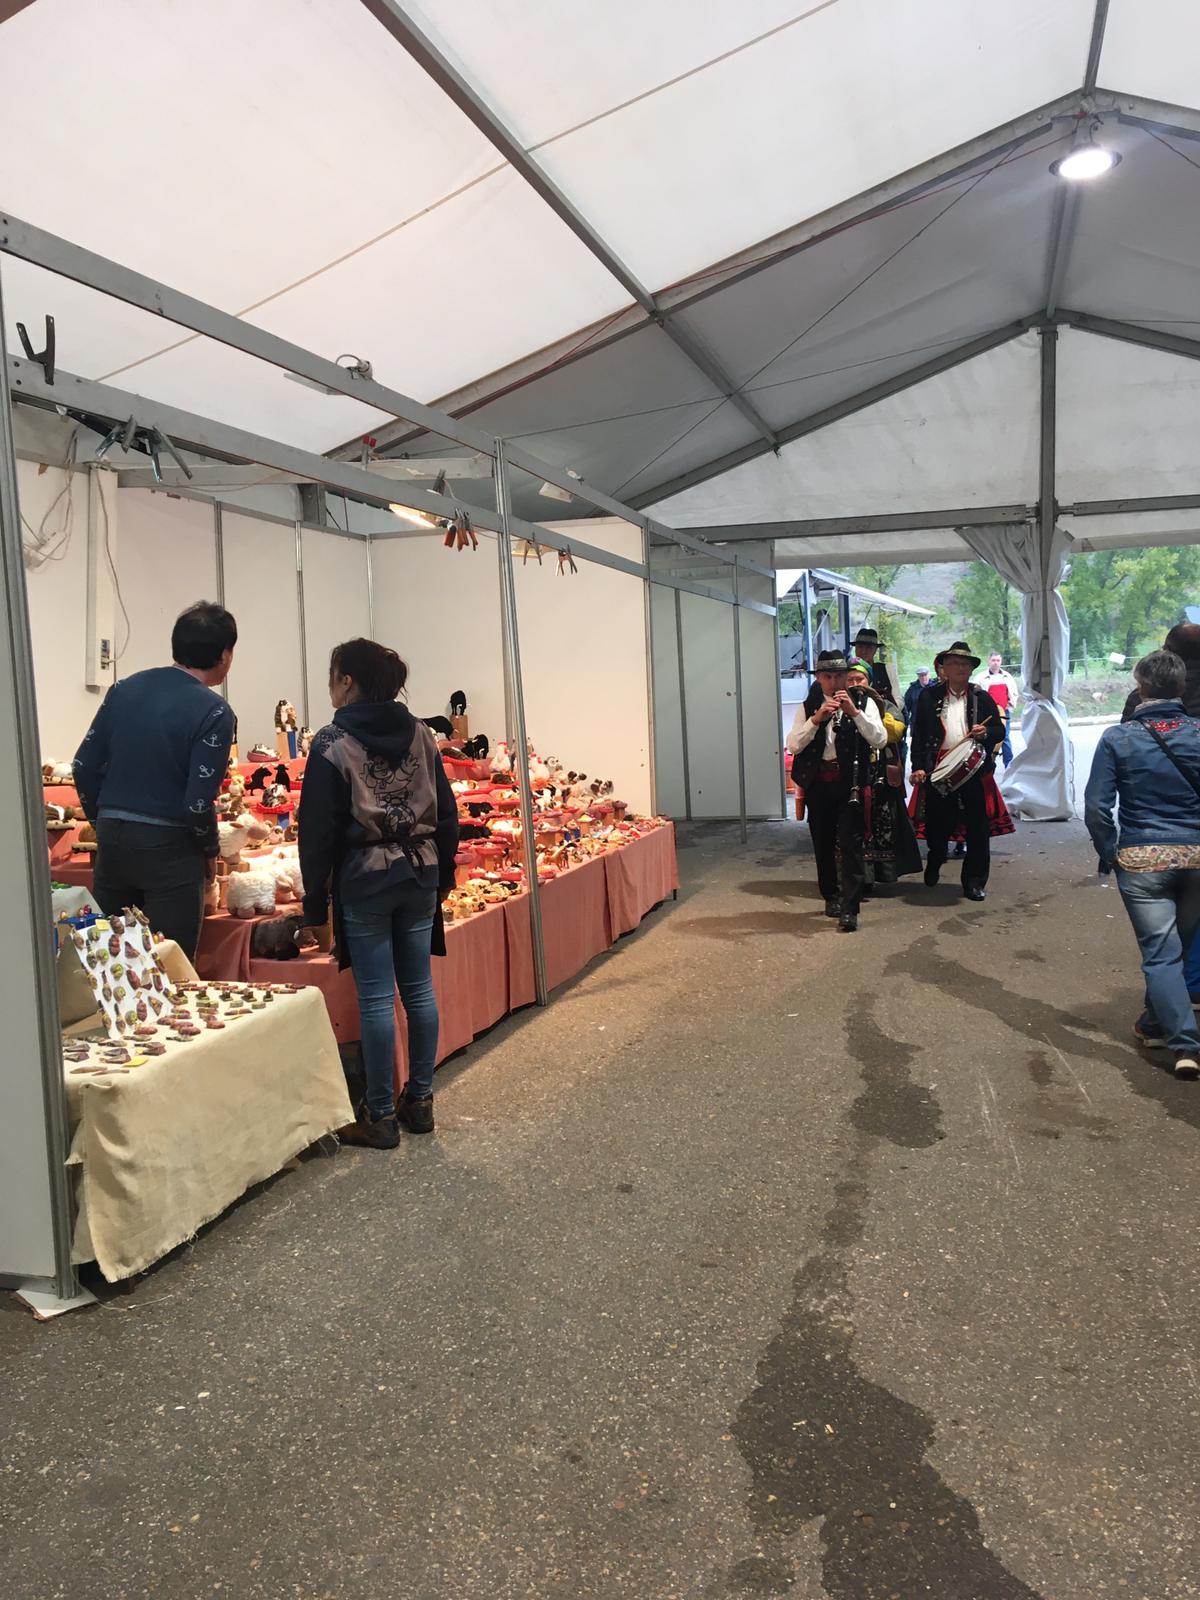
(251, 894)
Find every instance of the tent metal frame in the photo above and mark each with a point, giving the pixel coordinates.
(466, 97)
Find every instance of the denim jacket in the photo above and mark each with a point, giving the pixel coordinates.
(1157, 804)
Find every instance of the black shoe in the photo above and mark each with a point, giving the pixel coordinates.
(974, 891)
(833, 908)
(848, 922)
(931, 874)
(960, 850)
(415, 1115)
(375, 1133)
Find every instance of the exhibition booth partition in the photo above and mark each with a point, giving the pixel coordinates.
(637, 684)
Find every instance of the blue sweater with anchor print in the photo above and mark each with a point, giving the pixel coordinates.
(157, 751)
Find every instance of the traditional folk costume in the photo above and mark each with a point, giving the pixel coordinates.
(879, 674)
(832, 768)
(890, 845)
(975, 809)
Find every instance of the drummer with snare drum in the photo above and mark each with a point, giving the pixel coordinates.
(956, 730)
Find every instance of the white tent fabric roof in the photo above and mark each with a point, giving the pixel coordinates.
(291, 162)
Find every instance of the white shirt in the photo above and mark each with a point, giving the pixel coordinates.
(868, 722)
(954, 719)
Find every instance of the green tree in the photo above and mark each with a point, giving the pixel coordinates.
(1126, 600)
(990, 611)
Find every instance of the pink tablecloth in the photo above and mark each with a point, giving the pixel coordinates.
(77, 871)
(60, 794)
(295, 768)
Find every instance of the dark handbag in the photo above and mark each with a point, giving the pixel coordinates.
(1173, 759)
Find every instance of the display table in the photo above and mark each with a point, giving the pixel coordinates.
(60, 794)
(162, 1149)
(295, 768)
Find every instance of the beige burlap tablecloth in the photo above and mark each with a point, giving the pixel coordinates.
(159, 1151)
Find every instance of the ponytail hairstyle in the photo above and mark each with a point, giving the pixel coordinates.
(378, 673)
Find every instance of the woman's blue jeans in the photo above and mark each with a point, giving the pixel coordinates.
(388, 939)
(1164, 908)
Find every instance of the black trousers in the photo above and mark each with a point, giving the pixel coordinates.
(837, 834)
(941, 817)
(160, 870)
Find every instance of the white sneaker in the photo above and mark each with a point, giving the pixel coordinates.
(1186, 1066)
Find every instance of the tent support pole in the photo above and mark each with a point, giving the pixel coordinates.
(683, 718)
(301, 621)
(35, 1003)
(1047, 505)
(779, 704)
(737, 700)
(652, 721)
(512, 671)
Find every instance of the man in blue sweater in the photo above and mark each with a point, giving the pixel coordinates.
(148, 771)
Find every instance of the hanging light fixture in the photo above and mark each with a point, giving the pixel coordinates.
(1087, 160)
(410, 514)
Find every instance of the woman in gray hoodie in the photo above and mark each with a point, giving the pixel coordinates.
(378, 833)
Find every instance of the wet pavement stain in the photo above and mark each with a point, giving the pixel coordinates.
(1041, 1068)
(891, 1105)
(821, 1440)
(782, 889)
(1097, 1037)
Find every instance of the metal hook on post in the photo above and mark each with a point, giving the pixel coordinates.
(44, 358)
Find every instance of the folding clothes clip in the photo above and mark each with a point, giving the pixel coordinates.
(566, 561)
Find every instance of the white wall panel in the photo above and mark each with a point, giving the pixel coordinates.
(260, 590)
(583, 661)
(57, 615)
(166, 561)
(441, 610)
(336, 608)
(760, 713)
(710, 706)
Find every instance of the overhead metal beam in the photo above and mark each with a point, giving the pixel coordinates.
(1175, 344)
(431, 60)
(57, 255)
(840, 409)
(1069, 196)
(1131, 503)
(1158, 116)
(878, 522)
(761, 257)
(1091, 71)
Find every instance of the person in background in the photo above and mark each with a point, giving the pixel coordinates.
(890, 849)
(831, 740)
(866, 649)
(1184, 642)
(912, 693)
(378, 833)
(1149, 767)
(148, 771)
(1002, 687)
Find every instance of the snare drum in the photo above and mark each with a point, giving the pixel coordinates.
(957, 766)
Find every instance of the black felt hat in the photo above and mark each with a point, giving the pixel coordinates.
(867, 636)
(960, 651)
(832, 661)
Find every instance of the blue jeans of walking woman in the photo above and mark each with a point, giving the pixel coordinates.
(388, 940)
(1164, 908)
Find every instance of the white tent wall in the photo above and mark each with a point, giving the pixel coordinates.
(262, 593)
(1128, 419)
(441, 610)
(167, 561)
(583, 661)
(336, 608)
(57, 598)
(966, 437)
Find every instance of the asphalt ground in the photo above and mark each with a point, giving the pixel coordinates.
(767, 1261)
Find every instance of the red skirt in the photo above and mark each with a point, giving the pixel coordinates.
(999, 819)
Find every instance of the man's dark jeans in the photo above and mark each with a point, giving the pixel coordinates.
(159, 869)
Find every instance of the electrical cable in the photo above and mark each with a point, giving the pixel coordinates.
(54, 547)
(1173, 149)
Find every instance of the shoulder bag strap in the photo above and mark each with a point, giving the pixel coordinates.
(1171, 757)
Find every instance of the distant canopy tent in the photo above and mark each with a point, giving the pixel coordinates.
(566, 222)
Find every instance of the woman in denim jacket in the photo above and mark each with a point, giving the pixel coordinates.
(1150, 765)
